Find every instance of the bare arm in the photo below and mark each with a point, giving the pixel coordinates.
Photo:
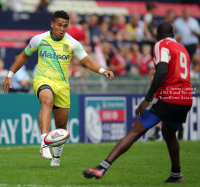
(93, 66)
(147, 32)
(196, 33)
(19, 62)
(90, 64)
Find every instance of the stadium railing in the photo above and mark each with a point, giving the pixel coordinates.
(96, 83)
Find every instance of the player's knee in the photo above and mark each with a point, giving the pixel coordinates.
(47, 102)
(138, 128)
(168, 135)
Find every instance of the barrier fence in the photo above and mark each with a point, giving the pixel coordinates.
(93, 118)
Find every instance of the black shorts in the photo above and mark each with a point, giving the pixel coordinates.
(168, 111)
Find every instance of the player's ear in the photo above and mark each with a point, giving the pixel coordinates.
(52, 24)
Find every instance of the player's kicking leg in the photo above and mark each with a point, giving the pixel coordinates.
(46, 99)
(122, 146)
(140, 127)
(169, 135)
(61, 118)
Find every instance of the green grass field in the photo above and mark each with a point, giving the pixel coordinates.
(144, 165)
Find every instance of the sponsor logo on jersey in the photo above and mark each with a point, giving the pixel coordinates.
(65, 48)
(54, 55)
(44, 44)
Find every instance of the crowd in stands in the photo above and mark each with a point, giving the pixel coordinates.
(21, 81)
(125, 45)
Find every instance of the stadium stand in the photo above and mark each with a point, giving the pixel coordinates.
(21, 24)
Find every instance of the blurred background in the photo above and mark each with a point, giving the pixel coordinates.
(119, 35)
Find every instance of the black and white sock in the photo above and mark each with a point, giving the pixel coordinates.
(176, 172)
(104, 165)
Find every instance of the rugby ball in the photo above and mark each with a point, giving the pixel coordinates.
(56, 137)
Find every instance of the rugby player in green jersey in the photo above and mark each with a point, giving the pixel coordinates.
(55, 49)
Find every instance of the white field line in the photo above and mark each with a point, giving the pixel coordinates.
(37, 146)
(19, 147)
(36, 185)
(73, 145)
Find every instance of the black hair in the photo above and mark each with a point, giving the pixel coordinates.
(165, 30)
(169, 11)
(61, 14)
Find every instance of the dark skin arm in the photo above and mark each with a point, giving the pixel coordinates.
(161, 71)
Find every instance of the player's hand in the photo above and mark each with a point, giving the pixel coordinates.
(109, 74)
(142, 106)
(7, 84)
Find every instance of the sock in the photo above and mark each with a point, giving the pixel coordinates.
(57, 151)
(157, 130)
(104, 165)
(42, 140)
(176, 172)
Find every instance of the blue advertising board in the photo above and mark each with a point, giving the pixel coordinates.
(93, 118)
(104, 119)
(99, 113)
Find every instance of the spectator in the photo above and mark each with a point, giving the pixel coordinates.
(102, 52)
(136, 27)
(150, 24)
(136, 58)
(76, 68)
(188, 28)
(170, 16)
(21, 81)
(85, 28)
(3, 72)
(122, 23)
(122, 39)
(104, 31)
(118, 62)
(114, 24)
(94, 30)
(147, 61)
(75, 30)
(195, 72)
(42, 6)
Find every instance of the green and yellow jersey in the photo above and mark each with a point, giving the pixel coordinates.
(54, 55)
